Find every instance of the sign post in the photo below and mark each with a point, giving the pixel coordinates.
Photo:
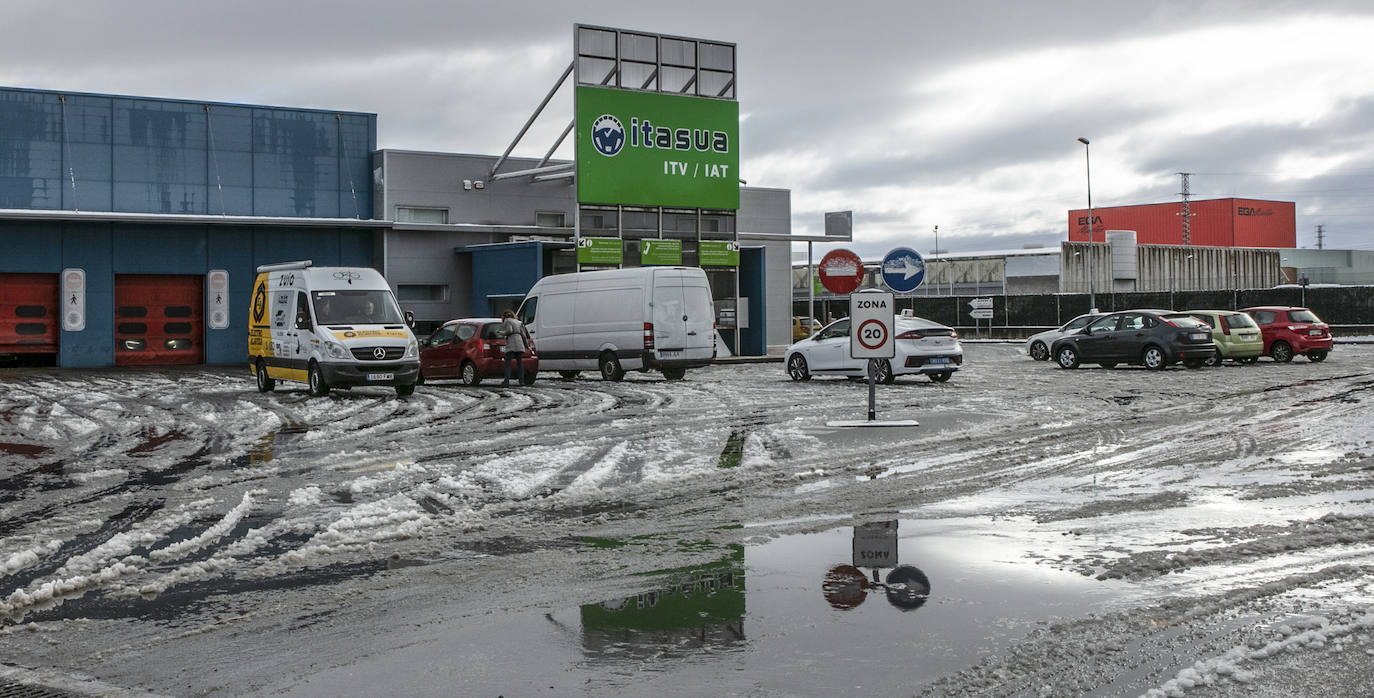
(982, 310)
(870, 335)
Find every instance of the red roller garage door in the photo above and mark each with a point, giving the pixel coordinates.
(29, 321)
(159, 320)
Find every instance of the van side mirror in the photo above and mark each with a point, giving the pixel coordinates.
(303, 321)
(410, 319)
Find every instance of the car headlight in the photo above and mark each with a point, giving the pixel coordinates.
(335, 350)
(412, 350)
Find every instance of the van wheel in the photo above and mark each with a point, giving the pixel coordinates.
(569, 375)
(610, 367)
(265, 384)
(468, 374)
(677, 374)
(530, 377)
(318, 386)
(405, 390)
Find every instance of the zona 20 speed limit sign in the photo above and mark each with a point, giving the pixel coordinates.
(870, 325)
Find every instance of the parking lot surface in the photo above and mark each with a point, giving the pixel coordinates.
(1094, 531)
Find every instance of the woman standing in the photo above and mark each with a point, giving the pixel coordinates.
(515, 345)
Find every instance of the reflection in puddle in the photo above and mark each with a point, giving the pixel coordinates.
(700, 607)
(846, 611)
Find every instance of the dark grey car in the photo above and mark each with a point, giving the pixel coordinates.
(1152, 338)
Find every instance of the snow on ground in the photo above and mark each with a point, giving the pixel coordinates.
(140, 508)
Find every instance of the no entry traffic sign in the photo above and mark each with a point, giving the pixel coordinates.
(841, 271)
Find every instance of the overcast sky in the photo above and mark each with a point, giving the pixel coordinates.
(963, 115)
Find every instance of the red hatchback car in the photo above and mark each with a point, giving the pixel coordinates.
(1288, 331)
(470, 349)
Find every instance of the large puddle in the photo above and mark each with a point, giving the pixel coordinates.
(877, 608)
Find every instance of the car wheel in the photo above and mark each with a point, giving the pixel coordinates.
(674, 374)
(265, 384)
(610, 367)
(1316, 356)
(797, 368)
(1153, 358)
(1281, 352)
(318, 386)
(884, 373)
(530, 378)
(1066, 357)
(405, 390)
(1108, 364)
(1214, 359)
(941, 377)
(1196, 363)
(1039, 351)
(468, 374)
(569, 375)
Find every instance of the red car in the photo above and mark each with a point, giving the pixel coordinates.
(471, 349)
(1288, 331)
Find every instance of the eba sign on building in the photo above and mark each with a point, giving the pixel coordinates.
(656, 149)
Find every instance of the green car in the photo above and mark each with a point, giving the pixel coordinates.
(1236, 335)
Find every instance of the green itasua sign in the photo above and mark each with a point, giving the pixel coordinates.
(654, 149)
(599, 251)
(718, 253)
(660, 252)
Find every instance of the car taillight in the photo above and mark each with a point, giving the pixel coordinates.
(911, 334)
(953, 334)
(649, 336)
(1225, 326)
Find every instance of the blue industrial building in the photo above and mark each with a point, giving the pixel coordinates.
(131, 227)
(145, 197)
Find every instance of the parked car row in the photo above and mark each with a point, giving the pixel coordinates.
(1158, 338)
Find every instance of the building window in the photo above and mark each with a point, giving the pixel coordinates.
(548, 219)
(421, 292)
(415, 214)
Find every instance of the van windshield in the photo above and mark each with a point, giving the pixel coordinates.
(356, 308)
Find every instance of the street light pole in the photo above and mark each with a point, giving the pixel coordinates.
(1087, 160)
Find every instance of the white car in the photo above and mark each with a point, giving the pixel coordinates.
(922, 346)
(1038, 345)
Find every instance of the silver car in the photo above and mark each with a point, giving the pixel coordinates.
(921, 346)
(1038, 346)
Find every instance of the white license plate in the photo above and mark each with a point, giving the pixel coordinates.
(669, 354)
(1314, 333)
(938, 361)
(1249, 336)
(381, 376)
(1199, 335)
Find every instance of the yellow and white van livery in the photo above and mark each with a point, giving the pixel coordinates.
(329, 327)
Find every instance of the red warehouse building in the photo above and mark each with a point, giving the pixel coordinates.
(1214, 223)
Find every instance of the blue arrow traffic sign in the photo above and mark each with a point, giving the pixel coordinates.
(903, 269)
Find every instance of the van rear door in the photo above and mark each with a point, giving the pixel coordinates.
(683, 313)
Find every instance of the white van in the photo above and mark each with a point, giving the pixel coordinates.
(622, 320)
(329, 327)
